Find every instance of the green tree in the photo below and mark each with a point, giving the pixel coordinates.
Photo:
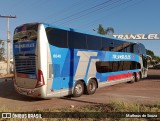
(103, 31)
(109, 30)
(155, 59)
(151, 53)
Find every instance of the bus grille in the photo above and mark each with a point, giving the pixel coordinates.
(25, 64)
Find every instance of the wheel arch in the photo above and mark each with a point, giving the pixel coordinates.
(79, 80)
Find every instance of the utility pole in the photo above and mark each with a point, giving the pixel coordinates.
(8, 42)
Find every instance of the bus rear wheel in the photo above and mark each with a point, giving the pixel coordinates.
(91, 87)
(78, 89)
(133, 79)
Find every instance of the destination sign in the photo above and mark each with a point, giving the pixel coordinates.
(137, 36)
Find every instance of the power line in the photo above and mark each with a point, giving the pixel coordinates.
(96, 10)
(75, 14)
(99, 19)
(62, 11)
(99, 9)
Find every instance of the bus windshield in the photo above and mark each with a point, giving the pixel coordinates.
(26, 32)
(24, 49)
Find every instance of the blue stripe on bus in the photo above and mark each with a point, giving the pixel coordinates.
(68, 61)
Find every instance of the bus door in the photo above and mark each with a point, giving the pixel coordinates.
(145, 67)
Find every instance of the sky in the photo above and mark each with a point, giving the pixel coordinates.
(125, 16)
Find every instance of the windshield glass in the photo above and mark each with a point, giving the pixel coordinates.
(26, 32)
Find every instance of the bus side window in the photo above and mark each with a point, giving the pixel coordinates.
(126, 65)
(136, 49)
(135, 65)
(131, 48)
(57, 37)
(115, 66)
(142, 49)
(107, 44)
(128, 49)
(93, 42)
(104, 66)
(77, 40)
(120, 66)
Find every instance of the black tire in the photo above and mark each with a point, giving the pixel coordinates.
(91, 87)
(133, 78)
(138, 76)
(78, 89)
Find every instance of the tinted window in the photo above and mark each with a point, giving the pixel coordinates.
(103, 67)
(57, 37)
(127, 49)
(93, 42)
(135, 65)
(118, 43)
(77, 40)
(131, 48)
(113, 66)
(123, 47)
(142, 48)
(120, 66)
(126, 65)
(136, 48)
(107, 44)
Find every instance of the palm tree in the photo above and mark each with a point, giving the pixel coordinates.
(103, 31)
(109, 30)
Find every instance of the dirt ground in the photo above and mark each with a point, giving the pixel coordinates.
(146, 91)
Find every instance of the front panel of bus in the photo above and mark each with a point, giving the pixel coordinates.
(28, 76)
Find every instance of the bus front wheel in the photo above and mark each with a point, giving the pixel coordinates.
(78, 89)
(137, 77)
(91, 87)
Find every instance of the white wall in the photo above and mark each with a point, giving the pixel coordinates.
(3, 67)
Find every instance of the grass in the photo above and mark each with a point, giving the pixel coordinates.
(94, 110)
